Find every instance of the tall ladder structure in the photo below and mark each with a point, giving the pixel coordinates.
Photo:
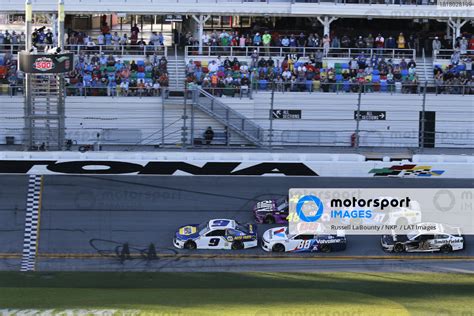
(44, 112)
(44, 89)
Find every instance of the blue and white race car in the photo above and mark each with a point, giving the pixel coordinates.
(278, 240)
(216, 234)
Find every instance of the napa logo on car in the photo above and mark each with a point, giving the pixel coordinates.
(43, 64)
(187, 230)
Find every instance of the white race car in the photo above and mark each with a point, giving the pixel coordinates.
(426, 237)
(396, 215)
(216, 234)
(278, 240)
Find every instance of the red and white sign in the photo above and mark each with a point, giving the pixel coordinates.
(43, 64)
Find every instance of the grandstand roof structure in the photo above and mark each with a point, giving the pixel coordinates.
(240, 7)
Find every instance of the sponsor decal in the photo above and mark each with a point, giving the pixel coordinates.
(43, 64)
(280, 232)
(187, 230)
(406, 171)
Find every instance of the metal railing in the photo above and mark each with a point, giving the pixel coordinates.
(445, 54)
(229, 117)
(248, 92)
(281, 51)
(137, 126)
(424, 65)
(117, 50)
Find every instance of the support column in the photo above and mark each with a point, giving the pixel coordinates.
(456, 26)
(62, 93)
(28, 45)
(326, 22)
(61, 18)
(54, 23)
(28, 24)
(200, 20)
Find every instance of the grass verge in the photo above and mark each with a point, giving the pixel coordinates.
(259, 294)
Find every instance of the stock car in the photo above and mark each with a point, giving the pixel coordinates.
(438, 237)
(388, 216)
(216, 234)
(396, 215)
(278, 240)
(271, 211)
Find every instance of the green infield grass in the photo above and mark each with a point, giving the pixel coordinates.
(259, 294)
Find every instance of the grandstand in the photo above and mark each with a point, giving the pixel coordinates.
(143, 78)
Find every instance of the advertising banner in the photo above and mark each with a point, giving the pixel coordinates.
(45, 63)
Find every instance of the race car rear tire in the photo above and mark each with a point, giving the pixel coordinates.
(446, 249)
(325, 248)
(269, 220)
(398, 247)
(237, 245)
(278, 248)
(191, 245)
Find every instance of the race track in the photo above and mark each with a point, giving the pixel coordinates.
(107, 211)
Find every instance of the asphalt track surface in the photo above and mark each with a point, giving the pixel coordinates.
(83, 214)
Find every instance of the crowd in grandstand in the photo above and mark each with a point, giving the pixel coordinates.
(114, 41)
(293, 74)
(103, 74)
(455, 77)
(267, 39)
(107, 75)
(11, 40)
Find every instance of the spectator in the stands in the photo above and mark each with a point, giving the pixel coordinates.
(301, 41)
(116, 41)
(208, 135)
(326, 44)
(369, 41)
(360, 43)
(436, 45)
(242, 41)
(463, 44)
(101, 39)
(455, 57)
(412, 63)
(335, 43)
(190, 68)
(379, 41)
(401, 41)
(257, 39)
(266, 39)
(390, 43)
(345, 41)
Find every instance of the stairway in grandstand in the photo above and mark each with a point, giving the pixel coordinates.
(424, 70)
(177, 72)
(233, 120)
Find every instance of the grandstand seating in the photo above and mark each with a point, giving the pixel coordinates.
(334, 75)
